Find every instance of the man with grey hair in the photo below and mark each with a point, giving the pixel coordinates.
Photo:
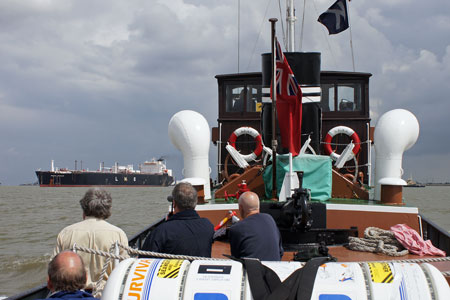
(67, 277)
(184, 232)
(257, 235)
(93, 232)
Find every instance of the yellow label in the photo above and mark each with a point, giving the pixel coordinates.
(170, 268)
(381, 272)
(258, 106)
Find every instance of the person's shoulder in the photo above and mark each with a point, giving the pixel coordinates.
(72, 295)
(164, 226)
(100, 225)
(208, 225)
(267, 217)
(237, 226)
(257, 220)
(72, 227)
(116, 229)
(113, 227)
(207, 221)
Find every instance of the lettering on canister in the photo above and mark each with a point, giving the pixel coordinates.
(137, 279)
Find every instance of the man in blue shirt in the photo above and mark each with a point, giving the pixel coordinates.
(67, 277)
(184, 232)
(257, 235)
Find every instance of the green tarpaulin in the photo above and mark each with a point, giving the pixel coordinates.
(317, 175)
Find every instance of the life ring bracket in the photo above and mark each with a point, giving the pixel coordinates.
(341, 130)
(258, 140)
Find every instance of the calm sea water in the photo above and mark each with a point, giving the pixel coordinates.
(31, 217)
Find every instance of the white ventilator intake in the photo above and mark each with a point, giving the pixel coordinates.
(396, 131)
(189, 133)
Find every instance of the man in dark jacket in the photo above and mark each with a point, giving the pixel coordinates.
(184, 232)
(257, 235)
(67, 277)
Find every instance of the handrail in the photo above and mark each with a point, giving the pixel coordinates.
(137, 240)
(438, 236)
(40, 291)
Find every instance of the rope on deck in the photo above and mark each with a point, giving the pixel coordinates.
(377, 240)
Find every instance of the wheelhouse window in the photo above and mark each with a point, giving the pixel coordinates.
(342, 97)
(235, 96)
(243, 98)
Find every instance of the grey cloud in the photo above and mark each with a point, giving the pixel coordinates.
(99, 81)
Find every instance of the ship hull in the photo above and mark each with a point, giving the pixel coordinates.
(80, 179)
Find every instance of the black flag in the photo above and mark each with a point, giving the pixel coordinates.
(335, 18)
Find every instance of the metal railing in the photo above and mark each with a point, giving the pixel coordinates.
(438, 236)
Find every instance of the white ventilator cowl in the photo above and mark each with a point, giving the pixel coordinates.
(396, 131)
(189, 133)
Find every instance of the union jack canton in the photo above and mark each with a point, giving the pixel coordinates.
(287, 86)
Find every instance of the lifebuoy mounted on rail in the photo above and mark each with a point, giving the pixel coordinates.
(252, 132)
(345, 130)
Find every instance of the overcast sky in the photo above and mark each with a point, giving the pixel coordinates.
(98, 80)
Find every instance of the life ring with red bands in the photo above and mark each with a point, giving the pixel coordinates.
(345, 130)
(258, 140)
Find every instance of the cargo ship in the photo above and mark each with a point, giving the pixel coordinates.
(150, 173)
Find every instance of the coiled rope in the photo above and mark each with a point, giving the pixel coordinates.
(377, 240)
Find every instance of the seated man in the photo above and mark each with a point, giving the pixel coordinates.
(93, 232)
(184, 232)
(67, 277)
(257, 235)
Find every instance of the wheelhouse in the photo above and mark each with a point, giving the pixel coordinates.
(344, 101)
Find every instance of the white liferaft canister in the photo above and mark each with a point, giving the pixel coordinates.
(405, 281)
(146, 278)
(218, 280)
(339, 281)
(154, 279)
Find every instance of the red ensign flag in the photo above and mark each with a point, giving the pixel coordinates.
(289, 104)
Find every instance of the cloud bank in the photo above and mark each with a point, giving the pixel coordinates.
(98, 81)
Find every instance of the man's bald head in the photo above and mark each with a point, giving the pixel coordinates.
(248, 204)
(66, 272)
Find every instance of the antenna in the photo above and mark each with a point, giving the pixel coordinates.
(239, 33)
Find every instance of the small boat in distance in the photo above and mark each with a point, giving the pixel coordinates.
(150, 173)
(411, 183)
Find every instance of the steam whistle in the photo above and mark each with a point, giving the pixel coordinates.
(242, 189)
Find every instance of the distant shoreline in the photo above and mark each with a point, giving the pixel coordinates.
(438, 184)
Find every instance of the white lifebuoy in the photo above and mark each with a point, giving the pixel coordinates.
(337, 130)
(252, 132)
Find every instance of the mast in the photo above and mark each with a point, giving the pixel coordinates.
(290, 25)
(274, 110)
